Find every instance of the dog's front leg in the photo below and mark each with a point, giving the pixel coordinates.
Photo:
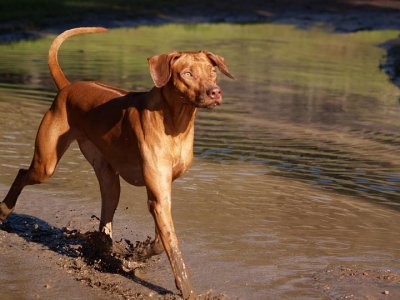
(158, 185)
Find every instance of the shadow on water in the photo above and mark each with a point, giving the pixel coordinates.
(391, 65)
(95, 249)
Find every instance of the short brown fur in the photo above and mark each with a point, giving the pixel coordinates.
(145, 138)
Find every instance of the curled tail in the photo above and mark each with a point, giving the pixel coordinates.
(55, 70)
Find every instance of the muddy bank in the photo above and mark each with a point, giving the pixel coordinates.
(341, 16)
(50, 248)
(111, 270)
(88, 258)
(89, 265)
(42, 258)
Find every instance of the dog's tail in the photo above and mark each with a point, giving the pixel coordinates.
(55, 70)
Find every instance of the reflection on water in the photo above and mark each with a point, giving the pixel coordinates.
(298, 169)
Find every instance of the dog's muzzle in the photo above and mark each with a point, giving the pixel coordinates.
(213, 97)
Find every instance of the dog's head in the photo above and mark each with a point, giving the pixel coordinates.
(192, 75)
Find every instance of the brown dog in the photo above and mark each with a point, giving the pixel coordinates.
(146, 138)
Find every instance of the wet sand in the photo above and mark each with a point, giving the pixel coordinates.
(64, 255)
(44, 254)
(353, 282)
(48, 258)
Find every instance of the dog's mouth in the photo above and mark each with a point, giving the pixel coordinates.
(207, 102)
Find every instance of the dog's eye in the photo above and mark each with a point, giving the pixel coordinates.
(187, 74)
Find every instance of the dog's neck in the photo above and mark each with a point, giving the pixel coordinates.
(178, 114)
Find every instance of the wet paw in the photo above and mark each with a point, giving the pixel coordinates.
(4, 211)
(148, 248)
(99, 243)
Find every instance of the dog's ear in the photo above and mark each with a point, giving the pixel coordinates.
(160, 67)
(220, 63)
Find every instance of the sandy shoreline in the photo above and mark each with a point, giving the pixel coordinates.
(44, 254)
(59, 251)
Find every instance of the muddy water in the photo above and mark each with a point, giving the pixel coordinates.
(299, 170)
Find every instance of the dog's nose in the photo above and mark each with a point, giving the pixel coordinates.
(214, 93)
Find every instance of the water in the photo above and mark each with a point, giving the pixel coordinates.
(297, 171)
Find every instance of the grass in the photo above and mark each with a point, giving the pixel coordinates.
(36, 14)
(322, 60)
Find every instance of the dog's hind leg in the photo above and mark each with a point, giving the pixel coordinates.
(108, 181)
(52, 139)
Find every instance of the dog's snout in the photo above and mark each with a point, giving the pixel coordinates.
(214, 93)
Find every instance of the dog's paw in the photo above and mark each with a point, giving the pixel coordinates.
(4, 211)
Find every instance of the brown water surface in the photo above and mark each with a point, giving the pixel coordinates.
(297, 171)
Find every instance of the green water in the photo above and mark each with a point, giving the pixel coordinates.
(298, 170)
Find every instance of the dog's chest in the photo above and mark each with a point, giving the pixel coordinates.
(182, 158)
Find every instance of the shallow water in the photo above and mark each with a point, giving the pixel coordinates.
(298, 170)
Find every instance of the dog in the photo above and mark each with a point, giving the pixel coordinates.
(144, 137)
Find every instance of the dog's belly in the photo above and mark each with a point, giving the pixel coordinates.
(124, 158)
(132, 174)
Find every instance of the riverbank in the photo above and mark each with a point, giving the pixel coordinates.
(24, 21)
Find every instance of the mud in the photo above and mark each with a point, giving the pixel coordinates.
(109, 267)
(353, 282)
(90, 258)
